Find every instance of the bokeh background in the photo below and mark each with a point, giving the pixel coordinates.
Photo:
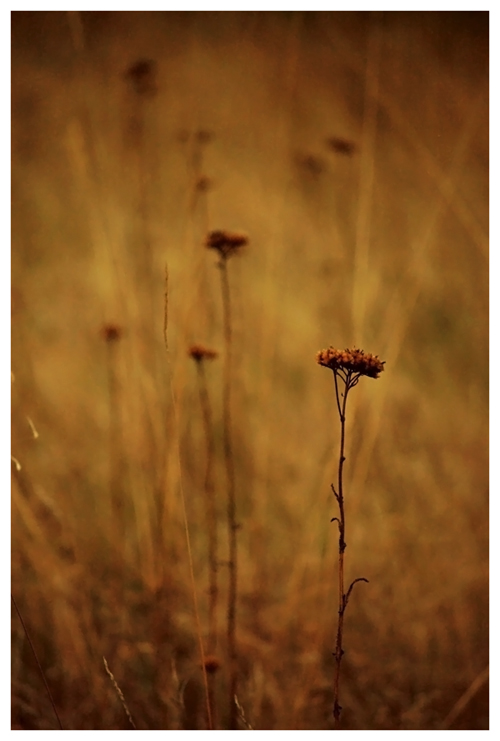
(352, 148)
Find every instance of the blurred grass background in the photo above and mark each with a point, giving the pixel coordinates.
(353, 150)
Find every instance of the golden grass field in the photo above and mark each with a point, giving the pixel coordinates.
(352, 148)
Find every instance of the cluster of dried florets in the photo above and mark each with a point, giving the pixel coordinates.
(199, 353)
(226, 243)
(354, 360)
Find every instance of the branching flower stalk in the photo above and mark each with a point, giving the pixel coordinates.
(227, 244)
(348, 366)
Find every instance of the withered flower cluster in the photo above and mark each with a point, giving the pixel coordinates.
(353, 360)
(226, 243)
(199, 353)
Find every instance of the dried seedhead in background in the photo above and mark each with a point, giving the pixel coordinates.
(212, 664)
(142, 76)
(310, 164)
(341, 146)
(111, 332)
(226, 243)
(204, 136)
(203, 184)
(200, 353)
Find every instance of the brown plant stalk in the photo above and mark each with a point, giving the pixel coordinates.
(185, 516)
(199, 355)
(348, 366)
(227, 244)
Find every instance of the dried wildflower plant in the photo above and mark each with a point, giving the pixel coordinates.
(348, 366)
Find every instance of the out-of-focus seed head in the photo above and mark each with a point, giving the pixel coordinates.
(200, 353)
(212, 664)
(142, 77)
(226, 243)
(111, 332)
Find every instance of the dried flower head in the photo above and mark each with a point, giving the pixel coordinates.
(199, 353)
(310, 164)
(111, 332)
(341, 146)
(212, 664)
(351, 360)
(142, 76)
(226, 243)
(203, 184)
(203, 136)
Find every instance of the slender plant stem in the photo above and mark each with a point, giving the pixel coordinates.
(350, 380)
(231, 499)
(211, 512)
(49, 693)
(211, 518)
(341, 404)
(184, 514)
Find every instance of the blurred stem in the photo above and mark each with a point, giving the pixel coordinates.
(211, 517)
(184, 510)
(115, 444)
(49, 693)
(231, 497)
(211, 513)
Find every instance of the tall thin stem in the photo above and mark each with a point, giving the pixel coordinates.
(211, 512)
(350, 380)
(184, 513)
(42, 674)
(341, 404)
(231, 496)
(211, 518)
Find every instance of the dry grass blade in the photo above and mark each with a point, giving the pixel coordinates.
(185, 518)
(242, 716)
(466, 698)
(119, 693)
